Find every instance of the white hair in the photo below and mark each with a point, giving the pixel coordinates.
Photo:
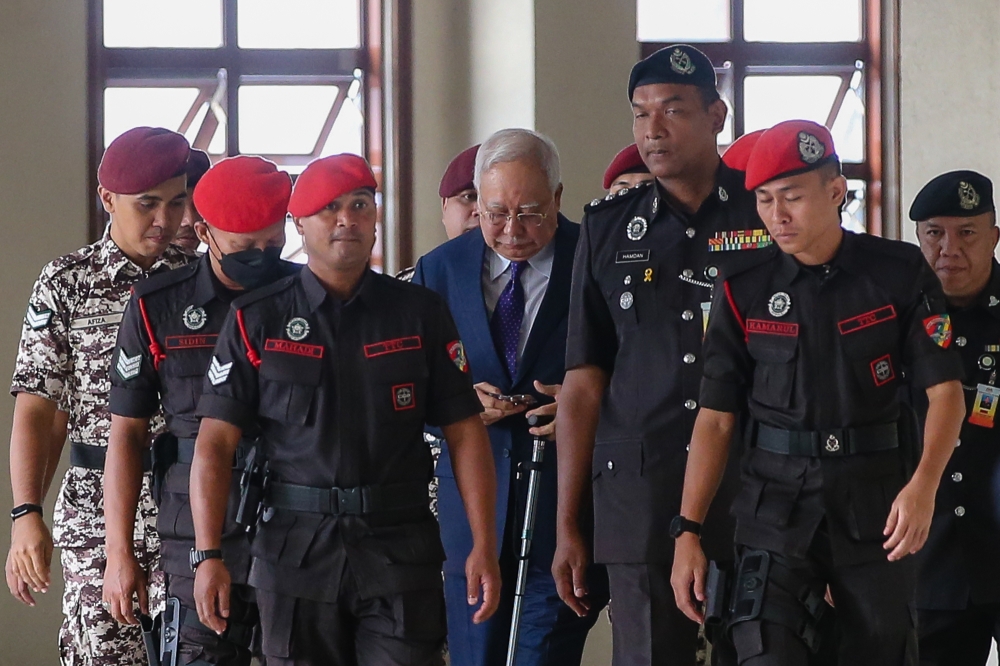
(514, 144)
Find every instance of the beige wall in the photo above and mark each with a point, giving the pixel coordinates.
(43, 200)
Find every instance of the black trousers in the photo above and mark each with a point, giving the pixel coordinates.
(200, 645)
(958, 638)
(875, 618)
(405, 629)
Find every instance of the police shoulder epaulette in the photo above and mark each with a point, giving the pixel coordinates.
(269, 290)
(165, 279)
(621, 195)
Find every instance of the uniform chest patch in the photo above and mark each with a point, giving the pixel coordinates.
(744, 239)
(767, 327)
(297, 348)
(779, 304)
(297, 329)
(402, 397)
(128, 366)
(37, 318)
(938, 329)
(456, 351)
(631, 256)
(190, 341)
(636, 229)
(866, 319)
(882, 371)
(392, 346)
(194, 318)
(96, 321)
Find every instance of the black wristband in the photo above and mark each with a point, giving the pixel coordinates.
(24, 509)
(679, 525)
(196, 557)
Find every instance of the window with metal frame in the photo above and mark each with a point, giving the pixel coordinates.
(782, 59)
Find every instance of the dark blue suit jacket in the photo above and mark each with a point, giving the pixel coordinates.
(454, 270)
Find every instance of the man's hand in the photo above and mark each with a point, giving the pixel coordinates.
(495, 409)
(909, 519)
(18, 588)
(30, 554)
(688, 576)
(482, 570)
(124, 579)
(551, 390)
(569, 569)
(211, 594)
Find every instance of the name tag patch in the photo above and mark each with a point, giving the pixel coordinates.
(772, 327)
(867, 319)
(631, 256)
(393, 346)
(744, 239)
(402, 397)
(191, 341)
(96, 320)
(297, 348)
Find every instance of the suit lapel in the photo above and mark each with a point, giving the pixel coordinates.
(555, 303)
(472, 318)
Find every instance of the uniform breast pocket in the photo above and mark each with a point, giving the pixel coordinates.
(288, 385)
(399, 386)
(873, 361)
(183, 375)
(774, 368)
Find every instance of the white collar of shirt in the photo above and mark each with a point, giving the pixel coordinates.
(541, 262)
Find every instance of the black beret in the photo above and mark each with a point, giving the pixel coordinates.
(679, 63)
(954, 194)
(198, 164)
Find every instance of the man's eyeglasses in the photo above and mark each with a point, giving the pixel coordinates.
(501, 219)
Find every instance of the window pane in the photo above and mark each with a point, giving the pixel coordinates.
(163, 23)
(849, 126)
(802, 20)
(299, 24)
(188, 110)
(683, 21)
(725, 77)
(283, 120)
(347, 135)
(771, 99)
(852, 217)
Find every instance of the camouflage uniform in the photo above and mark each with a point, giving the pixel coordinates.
(66, 344)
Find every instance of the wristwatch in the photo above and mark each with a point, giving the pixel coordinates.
(196, 557)
(24, 510)
(679, 525)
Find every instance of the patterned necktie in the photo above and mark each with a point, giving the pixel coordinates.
(506, 322)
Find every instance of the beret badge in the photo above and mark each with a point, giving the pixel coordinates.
(968, 198)
(681, 63)
(811, 149)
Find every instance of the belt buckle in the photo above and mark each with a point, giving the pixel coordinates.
(832, 445)
(348, 500)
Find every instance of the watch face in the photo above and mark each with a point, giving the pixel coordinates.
(676, 527)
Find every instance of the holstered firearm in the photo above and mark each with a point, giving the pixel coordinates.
(164, 455)
(150, 638)
(253, 486)
(170, 633)
(716, 595)
(911, 441)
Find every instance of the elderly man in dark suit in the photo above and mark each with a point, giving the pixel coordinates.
(508, 289)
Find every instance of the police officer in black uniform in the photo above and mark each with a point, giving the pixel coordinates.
(642, 283)
(815, 341)
(958, 581)
(341, 367)
(164, 347)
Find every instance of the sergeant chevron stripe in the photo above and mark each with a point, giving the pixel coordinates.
(128, 366)
(38, 318)
(218, 372)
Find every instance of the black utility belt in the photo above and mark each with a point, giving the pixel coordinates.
(347, 501)
(185, 451)
(836, 442)
(90, 456)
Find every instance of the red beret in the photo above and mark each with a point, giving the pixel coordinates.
(788, 149)
(326, 179)
(627, 160)
(243, 194)
(142, 158)
(738, 154)
(198, 164)
(459, 174)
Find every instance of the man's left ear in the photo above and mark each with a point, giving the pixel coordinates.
(557, 197)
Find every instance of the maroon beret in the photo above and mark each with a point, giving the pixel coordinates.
(738, 154)
(788, 149)
(198, 164)
(327, 179)
(142, 158)
(243, 194)
(459, 174)
(628, 160)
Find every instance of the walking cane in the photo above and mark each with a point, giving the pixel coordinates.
(530, 509)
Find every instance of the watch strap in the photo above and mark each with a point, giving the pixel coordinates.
(22, 510)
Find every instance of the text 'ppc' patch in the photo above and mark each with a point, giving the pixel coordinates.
(745, 239)
(191, 341)
(289, 347)
(772, 327)
(867, 319)
(393, 346)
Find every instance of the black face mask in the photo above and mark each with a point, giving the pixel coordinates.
(252, 268)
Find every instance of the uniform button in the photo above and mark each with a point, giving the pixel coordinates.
(961, 341)
(957, 477)
(687, 448)
(958, 443)
(687, 272)
(506, 453)
(959, 511)
(690, 404)
(689, 358)
(628, 280)
(611, 464)
(690, 232)
(687, 315)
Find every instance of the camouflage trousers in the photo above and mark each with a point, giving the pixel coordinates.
(89, 635)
